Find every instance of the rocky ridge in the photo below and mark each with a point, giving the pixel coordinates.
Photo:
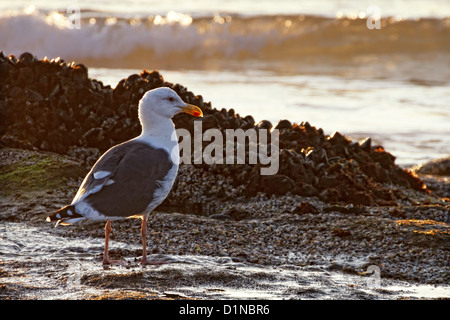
(52, 105)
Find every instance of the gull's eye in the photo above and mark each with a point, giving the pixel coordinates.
(171, 99)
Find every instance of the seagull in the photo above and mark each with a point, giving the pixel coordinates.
(132, 178)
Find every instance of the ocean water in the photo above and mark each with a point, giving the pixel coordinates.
(51, 267)
(366, 69)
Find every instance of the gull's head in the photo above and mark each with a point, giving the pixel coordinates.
(164, 102)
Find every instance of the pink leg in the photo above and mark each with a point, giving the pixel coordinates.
(144, 260)
(106, 259)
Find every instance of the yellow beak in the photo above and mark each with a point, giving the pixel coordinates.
(191, 109)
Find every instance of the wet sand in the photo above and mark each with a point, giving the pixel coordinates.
(277, 249)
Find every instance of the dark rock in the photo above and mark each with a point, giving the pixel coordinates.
(209, 121)
(384, 158)
(238, 214)
(220, 193)
(220, 216)
(250, 120)
(12, 59)
(224, 113)
(341, 233)
(93, 137)
(329, 181)
(5, 69)
(199, 101)
(79, 73)
(178, 88)
(348, 209)
(264, 124)
(132, 79)
(245, 124)
(304, 208)
(398, 213)
(338, 138)
(366, 144)
(440, 167)
(278, 184)
(26, 58)
(26, 76)
(151, 75)
(306, 125)
(33, 96)
(317, 155)
(283, 124)
(360, 197)
(306, 190)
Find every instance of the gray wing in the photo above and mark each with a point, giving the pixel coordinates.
(123, 181)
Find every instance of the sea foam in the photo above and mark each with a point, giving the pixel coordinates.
(117, 40)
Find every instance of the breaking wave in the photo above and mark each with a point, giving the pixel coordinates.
(113, 41)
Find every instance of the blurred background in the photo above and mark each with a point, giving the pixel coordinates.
(378, 68)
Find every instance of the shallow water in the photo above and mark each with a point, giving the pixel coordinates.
(40, 264)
